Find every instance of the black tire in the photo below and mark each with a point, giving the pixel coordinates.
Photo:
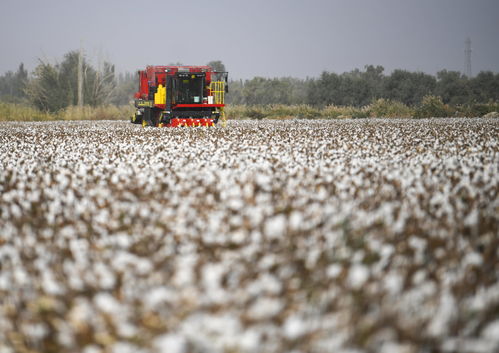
(136, 119)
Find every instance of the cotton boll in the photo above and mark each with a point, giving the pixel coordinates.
(265, 308)
(107, 303)
(275, 227)
(295, 327)
(170, 343)
(357, 276)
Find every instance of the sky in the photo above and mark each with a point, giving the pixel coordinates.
(269, 38)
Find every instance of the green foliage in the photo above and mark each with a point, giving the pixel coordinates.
(301, 111)
(13, 84)
(260, 90)
(484, 87)
(477, 109)
(432, 107)
(408, 87)
(255, 112)
(54, 87)
(386, 108)
(217, 65)
(126, 85)
(355, 88)
(101, 112)
(20, 112)
(356, 94)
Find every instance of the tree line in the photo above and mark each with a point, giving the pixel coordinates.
(359, 88)
(51, 87)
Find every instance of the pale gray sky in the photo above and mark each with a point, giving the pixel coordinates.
(255, 37)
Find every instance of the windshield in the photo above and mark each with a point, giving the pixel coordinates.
(188, 88)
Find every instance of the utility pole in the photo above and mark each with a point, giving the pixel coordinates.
(467, 58)
(80, 77)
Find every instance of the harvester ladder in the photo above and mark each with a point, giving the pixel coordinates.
(218, 91)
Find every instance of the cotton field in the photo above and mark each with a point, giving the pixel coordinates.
(265, 236)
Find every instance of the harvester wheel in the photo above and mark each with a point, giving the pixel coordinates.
(136, 119)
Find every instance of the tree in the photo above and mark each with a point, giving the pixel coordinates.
(453, 87)
(54, 87)
(408, 87)
(217, 65)
(484, 87)
(126, 85)
(12, 85)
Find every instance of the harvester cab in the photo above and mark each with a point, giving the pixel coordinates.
(173, 96)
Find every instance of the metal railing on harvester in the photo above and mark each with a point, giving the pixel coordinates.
(218, 91)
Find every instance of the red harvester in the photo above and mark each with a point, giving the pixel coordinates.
(180, 96)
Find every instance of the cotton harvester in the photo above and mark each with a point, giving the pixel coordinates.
(180, 96)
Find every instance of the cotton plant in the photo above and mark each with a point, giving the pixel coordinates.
(310, 235)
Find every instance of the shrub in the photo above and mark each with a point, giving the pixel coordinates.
(235, 111)
(18, 112)
(333, 112)
(477, 109)
(304, 111)
(386, 108)
(492, 115)
(432, 107)
(344, 112)
(255, 112)
(104, 112)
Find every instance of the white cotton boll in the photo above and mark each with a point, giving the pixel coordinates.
(393, 282)
(50, 285)
(106, 278)
(275, 227)
(265, 308)
(265, 283)
(294, 327)
(159, 295)
(472, 218)
(107, 303)
(143, 266)
(417, 244)
(473, 259)
(80, 314)
(394, 347)
(250, 340)
(92, 349)
(439, 325)
(263, 179)
(238, 237)
(235, 204)
(170, 343)
(34, 330)
(419, 277)
(16, 211)
(386, 251)
(5, 282)
(295, 220)
(126, 329)
(357, 276)
(334, 270)
(20, 276)
(491, 331)
(212, 275)
(184, 274)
